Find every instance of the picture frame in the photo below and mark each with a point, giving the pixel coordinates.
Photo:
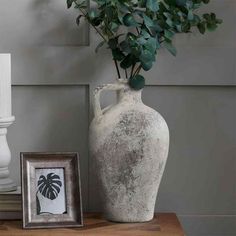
(51, 190)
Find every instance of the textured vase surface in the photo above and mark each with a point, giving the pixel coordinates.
(129, 144)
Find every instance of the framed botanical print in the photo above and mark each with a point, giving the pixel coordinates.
(51, 192)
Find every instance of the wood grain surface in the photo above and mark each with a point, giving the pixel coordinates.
(163, 224)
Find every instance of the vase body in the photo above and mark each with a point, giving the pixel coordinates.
(129, 143)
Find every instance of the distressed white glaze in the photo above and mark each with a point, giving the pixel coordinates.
(6, 184)
(129, 143)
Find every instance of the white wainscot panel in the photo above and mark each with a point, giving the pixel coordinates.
(200, 171)
(40, 22)
(50, 119)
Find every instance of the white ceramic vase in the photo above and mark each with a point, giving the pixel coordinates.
(129, 143)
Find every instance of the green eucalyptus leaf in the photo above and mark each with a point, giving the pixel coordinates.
(181, 2)
(145, 34)
(148, 21)
(114, 26)
(189, 5)
(137, 82)
(136, 50)
(170, 2)
(196, 20)
(128, 61)
(113, 43)
(129, 20)
(152, 5)
(120, 17)
(186, 27)
(170, 48)
(118, 54)
(142, 3)
(151, 25)
(131, 38)
(179, 28)
(157, 27)
(109, 13)
(168, 34)
(123, 8)
(124, 45)
(141, 40)
(201, 27)
(93, 13)
(211, 26)
(169, 22)
(190, 15)
(69, 3)
(151, 45)
(213, 16)
(147, 56)
(95, 21)
(196, 6)
(207, 16)
(163, 7)
(99, 46)
(146, 65)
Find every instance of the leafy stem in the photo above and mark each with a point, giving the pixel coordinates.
(145, 26)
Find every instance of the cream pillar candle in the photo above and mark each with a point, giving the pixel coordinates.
(5, 85)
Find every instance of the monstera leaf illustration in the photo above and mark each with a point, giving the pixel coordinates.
(49, 186)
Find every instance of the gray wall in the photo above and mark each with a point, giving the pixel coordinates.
(54, 70)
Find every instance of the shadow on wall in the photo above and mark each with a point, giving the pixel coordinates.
(53, 24)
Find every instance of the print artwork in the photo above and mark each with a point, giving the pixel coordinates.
(50, 191)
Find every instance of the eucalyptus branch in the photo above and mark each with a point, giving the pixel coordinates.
(117, 68)
(142, 37)
(85, 16)
(107, 25)
(132, 70)
(138, 69)
(126, 75)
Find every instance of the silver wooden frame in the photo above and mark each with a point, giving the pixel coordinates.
(70, 163)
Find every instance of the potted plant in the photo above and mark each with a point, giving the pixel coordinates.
(129, 141)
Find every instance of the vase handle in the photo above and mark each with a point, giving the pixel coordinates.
(121, 84)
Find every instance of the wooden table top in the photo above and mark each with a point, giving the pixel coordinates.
(163, 224)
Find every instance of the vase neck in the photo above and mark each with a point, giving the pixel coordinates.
(129, 95)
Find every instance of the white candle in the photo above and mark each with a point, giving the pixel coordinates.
(5, 85)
